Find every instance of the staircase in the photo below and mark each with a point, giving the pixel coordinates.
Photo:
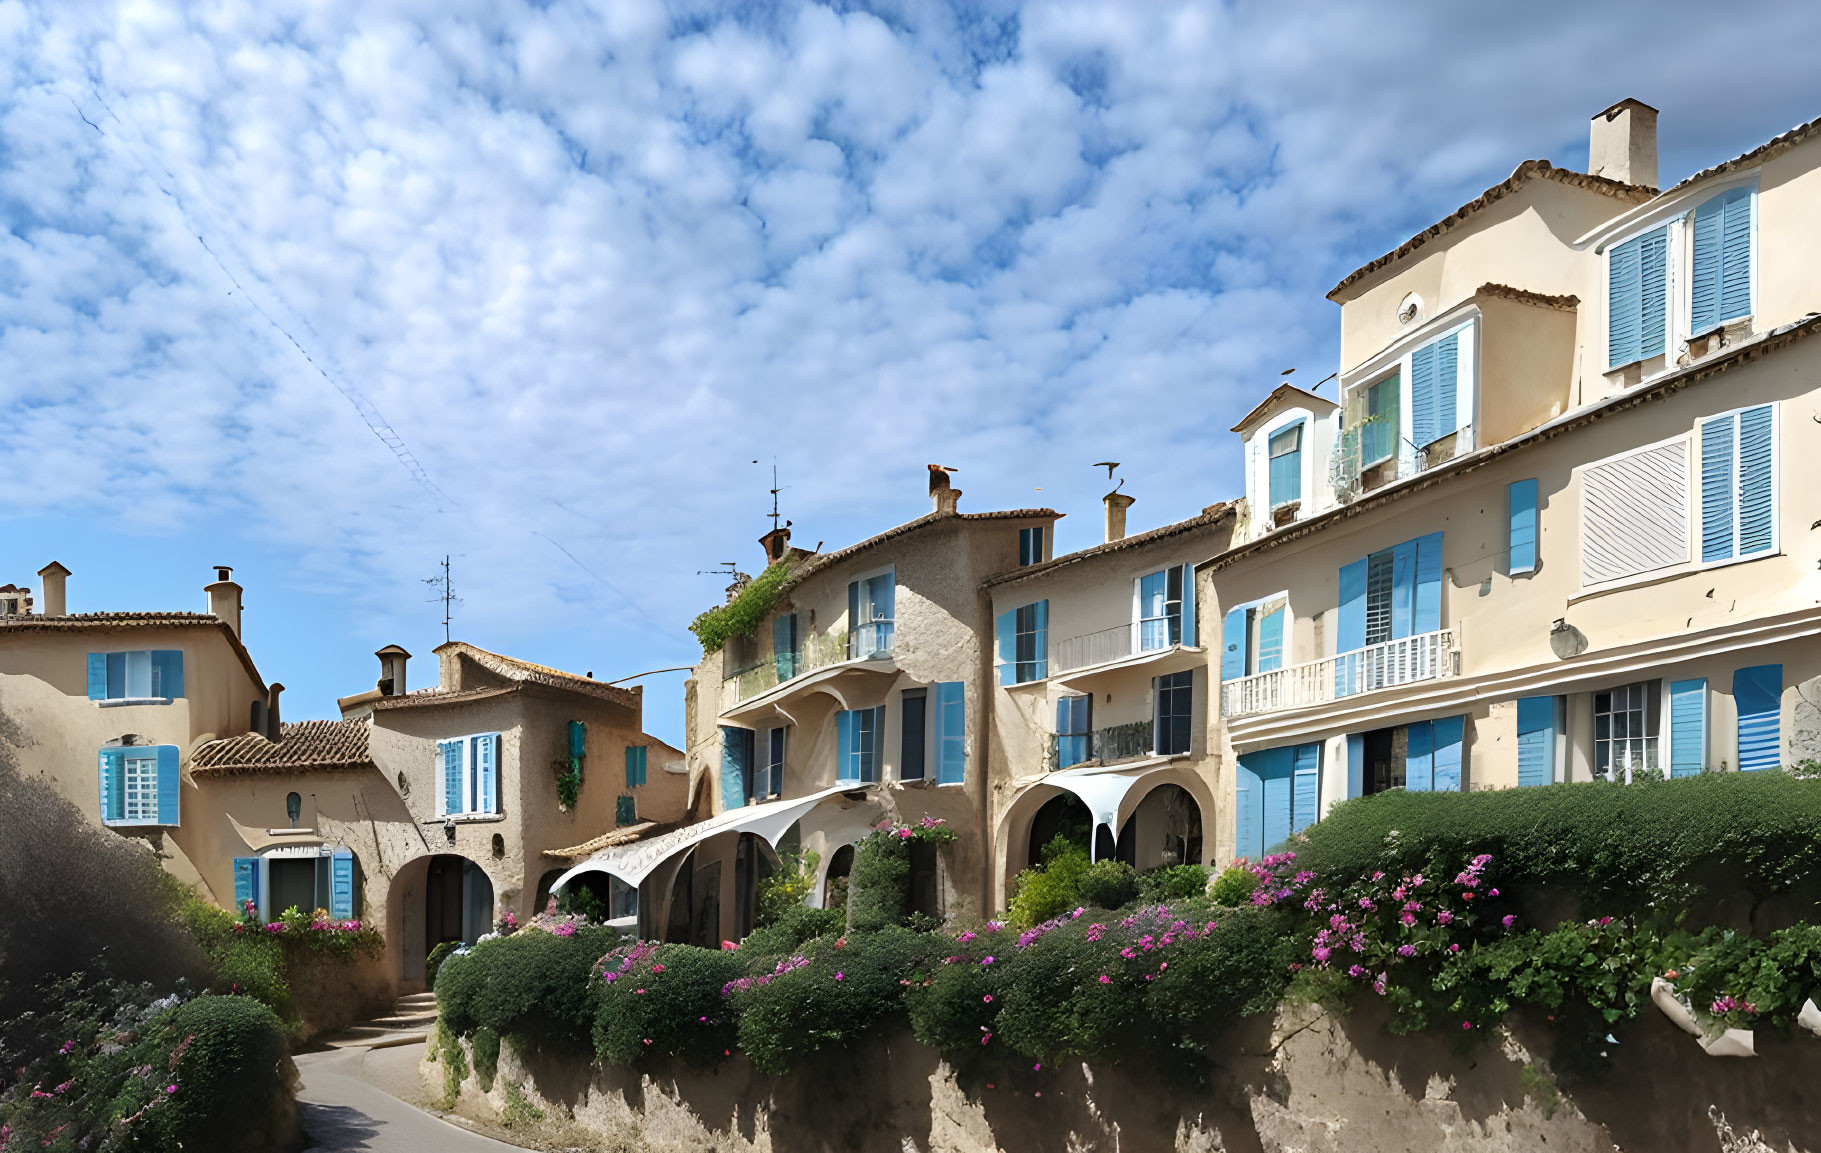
(409, 1023)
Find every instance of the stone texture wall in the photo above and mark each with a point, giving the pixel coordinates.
(1308, 1082)
(331, 993)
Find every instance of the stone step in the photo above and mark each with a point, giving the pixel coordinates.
(402, 1021)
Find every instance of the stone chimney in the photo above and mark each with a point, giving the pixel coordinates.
(942, 498)
(53, 575)
(776, 544)
(224, 597)
(1623, 144)
(1117, 502)
(392, 660)
(272, 723)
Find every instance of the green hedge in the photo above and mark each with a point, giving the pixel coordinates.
(840, 995)
(665, 1000)
(1619, 847)
(533, 983)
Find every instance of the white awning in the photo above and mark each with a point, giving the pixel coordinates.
(633, 863)
(1104, 788)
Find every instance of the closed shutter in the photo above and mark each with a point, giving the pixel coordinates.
(1634, 514)
(1735, 256)
(112, 771)
(1687, 727)
(167, 673)
(736, 753)
(1271, 640)
(1248, 807)
(1520, 516)
(951, 732)
(1041, 651)
(341, 885)
(449, 795)
(1757, 693)
(1757, 505)
(1188, 606)
(1536, 741)
(246, 883)
(635, 765)
(1717, 448)
(1722, 260)
(1426, 616)
(1637, 298)
(1233, 646)
(169, 801)
(1005, 628)
(1279, 802)
(1350, 635)
(578, 739)
(1286, 467)
(97, 676)
(784, 645)
(1305, 802)
(847, 764)
(1403, 590)
(1449, 734)
(1419, 757)
(1356, 765)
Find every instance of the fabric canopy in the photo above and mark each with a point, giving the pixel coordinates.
(1103, 789)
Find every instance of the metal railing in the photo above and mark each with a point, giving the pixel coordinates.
(1426, 656)
(1104, 746)
(1091, 649)
(818, 651)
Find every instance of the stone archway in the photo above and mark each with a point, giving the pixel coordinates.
(1165, 828)
(435, 898)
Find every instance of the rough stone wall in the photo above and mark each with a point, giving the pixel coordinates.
(331, 993)
(1309, 1082)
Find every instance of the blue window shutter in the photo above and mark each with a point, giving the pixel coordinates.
(1624, 303)
(1449, 732)
(116, 676)
(1356, 765)
(1248, 807)
(1042, 653)
(97, 676)
(1428, 608)
(1447, 383)
(632, 766)
(1352, 632)
(486, 775)
(110, 773)
(733, 764)
(1188, 606)
(644, 758)
(578, 739)
(1284, 478)
(1520, 514)
(452, 798)
(1233, 646)
(784, 645)
(1735, 255)
(1717, 439)
(1403, 590)
(169, 801)
(1687, 727)
(874, 752)
(1419, 757)
(1704, 291)
(341, 884)
(1424, 419)
(246, 882)
(1006, 626)
(854, 639)
(1536, 741)
(167, 673)
(1305, 803)
(1278, 803)
(1271, 641)
(1757, 692)
(1653, 295)
(847, 767)
(1757, 508)
(951, 732)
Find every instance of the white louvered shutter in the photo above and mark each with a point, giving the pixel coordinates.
(1634, 514)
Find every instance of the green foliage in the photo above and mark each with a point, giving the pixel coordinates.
(1108, 884)
(253, 959)
(433, 963)
(1054, 886)
(519, 1111)
(568, 771)
(533, 983)
(1233, 887)
(231, 1076)
(455, 1068)
(665, 1000)
(486, 1057)
(843, 991)
(1540, 1086)
(792, 927)
(1173, 883)
(579, 900)
(744, 613)
(787, 888)
(1620, 849)
(879, 886)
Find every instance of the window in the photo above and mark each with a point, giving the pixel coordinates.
(1286, 455)
(1277, 792)
(1538, 721)
(913, 720)
(1637, 298)
(1160, 609)
(1379, 430)
(139, 785)
(1738, 484)
(858, 733)
(321, 879)
(951, 733)
(138, 675)
(1030, 545)
(1520, 517)
(1434, 390)
(635, 765)
(1175, 693)
(468, 768)
(625, 811)
(1634, 513)
(786, 647)
(1024, 643)
(1252, 638)
(1721, 282)
(1432, 755)
(1379, 583)
(772, 785)
(1687, 727)
(1757, 693)
(1625, 731)
(1388, 596)
(622, 899)
(1074, 723)
(869, 615)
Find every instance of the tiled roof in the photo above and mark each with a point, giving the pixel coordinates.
(1211, 515)
(527, 673)
(304, 746)
(425, 697)
(98, 622)
(1765, 151)
(820, 561)
(1525, 172)
(1525, 296)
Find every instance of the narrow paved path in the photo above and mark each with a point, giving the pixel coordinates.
(347, 1108)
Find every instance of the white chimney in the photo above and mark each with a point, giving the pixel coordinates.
(1622, 145)
(53, 575)
(224, 597)
(1117, 502)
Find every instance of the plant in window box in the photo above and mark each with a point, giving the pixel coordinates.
(568, 782)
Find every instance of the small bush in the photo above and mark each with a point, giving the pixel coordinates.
(788, 888)
(664, 1000)
(1233, 887)
(842, 991)
(791, 928)
(1053, 887)
(533, 982)
(433, 964)
(519, 1111)
(1174, 883)
(486, 1057)
(1109, 885)
(233, 1076)
(455, 1068)
(879, 886)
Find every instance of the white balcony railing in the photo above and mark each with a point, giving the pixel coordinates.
(1426, 656)
(1091, 649)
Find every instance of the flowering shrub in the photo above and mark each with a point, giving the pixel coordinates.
(879, 886)
(534, 982)
(664, 1000)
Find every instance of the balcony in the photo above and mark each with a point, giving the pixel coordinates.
(1079, 660)
(1406, 661)
(1103, 746)
(823, 656)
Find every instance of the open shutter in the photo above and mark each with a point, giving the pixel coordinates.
(847, 766)
(1427, 610)
(1403, 589)
(1356, 765)
(951, 732)
(1041, 649)
(1624, 303)
(1687, 727)
(1536, 741)
(1188, 606)
(341, 885)
(1352, 632)
(1447, 383)
(735, 746)
(1006, 629)
(1735, 256)
(246, 882)
(1757, 505)
(578, 739)
(1704, 292)
(97, 676)
(449, 791)
(1279, 807)
(1520, 515)
(116, 676)
(1305, 804)
(1271, 640)
(1449, 732)
(486, 774)
(1419, 757)
(112, 771)
(167, 673)
(855, 638)
(784, 645)
(1757, 692)
(632, 766)
(1248, 793)
(1717, 441)
(1233, 645)
(1653, 295)
(169, 799)
(1423, 389)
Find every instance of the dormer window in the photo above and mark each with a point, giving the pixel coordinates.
(1286, 480)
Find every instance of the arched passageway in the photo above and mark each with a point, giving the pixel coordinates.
(1061, 816)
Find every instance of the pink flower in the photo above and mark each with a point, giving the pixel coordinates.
(986, 1038)
(1466, 1024)
(966, 937)
(988, 999)
(169, 1089)
(1454, 948)
(1105, 980)
(987, 960)
(839, 975)
(67, 1046)
(904, 834)
(1443, 917)
(657, 968)
(1406, 950)
(1037, 1067)
(1510, 920)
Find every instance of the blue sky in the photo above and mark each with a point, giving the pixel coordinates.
(326, 290)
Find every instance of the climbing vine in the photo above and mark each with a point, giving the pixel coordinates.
(745, 612)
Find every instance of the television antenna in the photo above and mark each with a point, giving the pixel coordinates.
(446, 594)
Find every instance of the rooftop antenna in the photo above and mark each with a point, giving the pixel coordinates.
(1109, 465)
(726, 568)
(446, 595)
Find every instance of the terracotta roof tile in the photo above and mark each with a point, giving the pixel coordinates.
(304, 746)
(73, 622)
(1211, 515)
(527, 673)
(1765, 151)
(819, 561)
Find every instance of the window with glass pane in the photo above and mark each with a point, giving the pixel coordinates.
(1378, 597)
(141, 788)
(1378, 433)
(1160, 609)
(774, 777)
(1074, 719)
(1286, 449)
(1030, 545)
(1625, 731)
(623, 899)
(1026, 656)
(1175, 699)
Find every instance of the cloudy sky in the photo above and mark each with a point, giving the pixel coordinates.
(326, 290)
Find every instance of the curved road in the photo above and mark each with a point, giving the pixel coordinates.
(346, 1110)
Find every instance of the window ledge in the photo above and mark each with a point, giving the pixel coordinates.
(117, 702)
(1660, 575)
(465, 819)
(123, 824)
